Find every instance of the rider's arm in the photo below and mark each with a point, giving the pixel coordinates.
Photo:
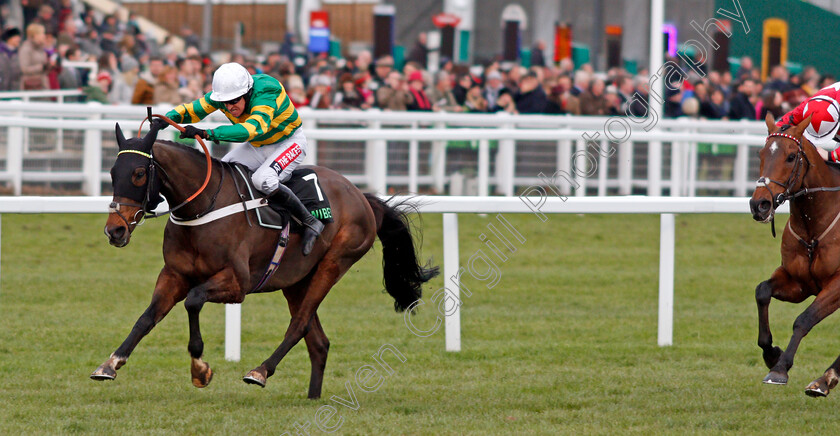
(832, 156)
(265, 117)
(194, 111)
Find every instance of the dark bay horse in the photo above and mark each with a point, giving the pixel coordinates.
(792, 169)
(221, 261)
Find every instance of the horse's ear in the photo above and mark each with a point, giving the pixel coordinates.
(149, 140)
(797, 131)
(120, 137)
(771, 123)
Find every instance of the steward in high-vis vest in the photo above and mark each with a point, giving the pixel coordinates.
(266, 122)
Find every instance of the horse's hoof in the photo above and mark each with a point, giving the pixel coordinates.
(104, 372)
(255, 377)
(101, 376)
(776, 378)
(817, 388)
(201, 373)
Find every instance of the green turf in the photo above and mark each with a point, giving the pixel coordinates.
(564, 344)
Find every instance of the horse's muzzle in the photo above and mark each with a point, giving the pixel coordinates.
(118, 236)
(762, 209)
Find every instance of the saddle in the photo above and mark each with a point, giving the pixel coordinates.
(303, 182)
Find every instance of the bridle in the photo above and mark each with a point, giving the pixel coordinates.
(146, 208)
(802, 163)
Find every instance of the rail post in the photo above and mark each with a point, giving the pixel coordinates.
(413, 162)
(665, 336)
(92, 160)
(452, 324)
(233, 331)
(14, 157)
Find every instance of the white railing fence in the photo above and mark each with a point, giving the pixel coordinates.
(450, 207)
(415, 152)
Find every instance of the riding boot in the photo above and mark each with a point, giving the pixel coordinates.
(312, 226)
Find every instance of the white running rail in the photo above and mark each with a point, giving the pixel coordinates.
(450, 207)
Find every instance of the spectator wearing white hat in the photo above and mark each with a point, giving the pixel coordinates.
(493, 88)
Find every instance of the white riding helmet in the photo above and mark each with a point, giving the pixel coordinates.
(230, 81)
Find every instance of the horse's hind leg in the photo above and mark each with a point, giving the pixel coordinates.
(821, 386)
(169, 290)
(318, 346)
(317, 343)
(827, 301)
(301, 325)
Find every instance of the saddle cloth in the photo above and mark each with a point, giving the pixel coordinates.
(304, 183)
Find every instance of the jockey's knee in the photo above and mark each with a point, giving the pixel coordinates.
(266, 180)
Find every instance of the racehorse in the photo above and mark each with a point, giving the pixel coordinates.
(223, 260)
(792, 169)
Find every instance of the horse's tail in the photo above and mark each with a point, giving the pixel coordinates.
(403, 274)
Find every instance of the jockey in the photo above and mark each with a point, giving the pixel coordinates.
(268, 126)
(824, 109)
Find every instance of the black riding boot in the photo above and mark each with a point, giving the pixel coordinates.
(312, 226)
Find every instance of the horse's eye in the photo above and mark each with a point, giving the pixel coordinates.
(142, 173)
(791, 157)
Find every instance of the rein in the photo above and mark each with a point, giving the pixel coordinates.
(114, 207)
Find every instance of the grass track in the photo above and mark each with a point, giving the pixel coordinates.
(564, 344)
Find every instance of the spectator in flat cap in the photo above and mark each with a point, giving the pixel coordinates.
(394, 96)
(9, 61)
(441, 94)
(320, 92)
(382, 68)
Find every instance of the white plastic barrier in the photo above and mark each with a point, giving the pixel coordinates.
(450, 207)
(556, 135)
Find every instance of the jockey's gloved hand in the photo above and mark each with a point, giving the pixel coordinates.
(191, 131)
(158, 124)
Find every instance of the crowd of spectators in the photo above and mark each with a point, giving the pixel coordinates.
(133, 68)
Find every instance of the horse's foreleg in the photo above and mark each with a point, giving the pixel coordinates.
(826, 302)
(169, 290)
(222, 287)
(781, 286)
(322, 281)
